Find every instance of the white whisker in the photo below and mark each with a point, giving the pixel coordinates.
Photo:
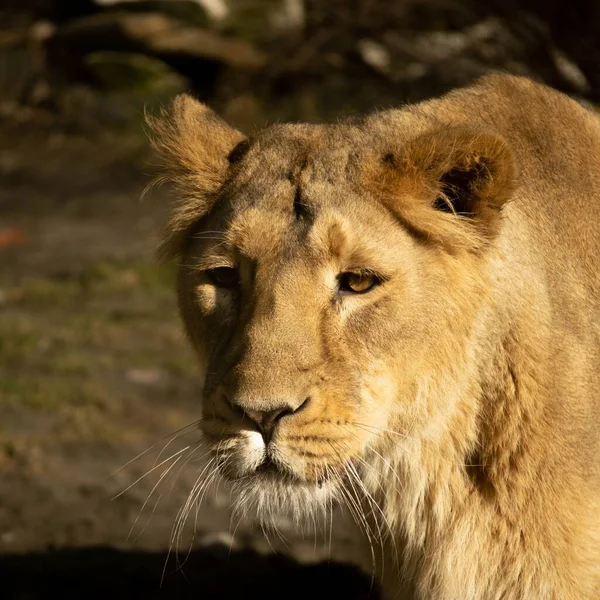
(150, 471)
(175, 433)
(164, 474)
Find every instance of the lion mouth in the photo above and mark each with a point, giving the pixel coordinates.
(273, 471)
(251, 462)
(270, 470)
(268, 467)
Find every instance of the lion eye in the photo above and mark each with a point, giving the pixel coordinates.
(357, 283)
(225, 277)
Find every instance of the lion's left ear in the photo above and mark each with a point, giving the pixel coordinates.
(450, 185)
(195, 147)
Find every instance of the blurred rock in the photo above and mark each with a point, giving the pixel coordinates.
(191, 12)
(204, 44)
(40, 31)
(290, 15)
(153, 34)
(222, 542)
(257, 21)
(215, 10)
(264, 60)
(571, 72)
(93, 112)
(375, 55)
(129, 71)
(407, 51)
(462, 55)
(22, 64)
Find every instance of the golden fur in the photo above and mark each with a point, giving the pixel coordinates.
(454, 407)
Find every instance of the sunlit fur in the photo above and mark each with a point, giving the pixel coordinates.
(453, 408)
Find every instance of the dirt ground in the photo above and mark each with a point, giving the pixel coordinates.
(94, 370)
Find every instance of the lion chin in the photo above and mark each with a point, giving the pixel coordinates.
(269, 497)
(266, 488)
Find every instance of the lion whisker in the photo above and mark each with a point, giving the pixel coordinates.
(176, 436)
(359, 519)
(197, 501)
(184, 511)
(149, 518)
(175, 433)
(231, 543)
(382, 430)
(355, 502)
(186, 462)
(150, 471)
(164, 474)
(371, 449)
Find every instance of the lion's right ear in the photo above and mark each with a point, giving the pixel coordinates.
(194, 145)
(448, 185)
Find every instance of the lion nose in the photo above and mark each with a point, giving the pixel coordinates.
(267, 419)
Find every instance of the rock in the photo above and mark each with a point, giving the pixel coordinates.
(290, 16)
(221, 542)
(217, 9)
(375, 55)
(153, 34)
(448, 58)
(188, 11)
(208, 10)
(130, 71)
(195, 12)
(571, 72)
(21, 60)
(204, 44)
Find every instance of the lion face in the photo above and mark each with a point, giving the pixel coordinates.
(325, 291)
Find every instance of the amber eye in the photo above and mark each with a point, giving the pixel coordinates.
(357, 282)
(225, 277)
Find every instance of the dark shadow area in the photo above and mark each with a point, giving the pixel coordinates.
(207, 574)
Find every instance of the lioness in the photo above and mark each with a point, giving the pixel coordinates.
(402, 313)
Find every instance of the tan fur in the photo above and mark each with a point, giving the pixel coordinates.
(458, 401)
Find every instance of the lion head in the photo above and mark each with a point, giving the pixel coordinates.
(331, 279)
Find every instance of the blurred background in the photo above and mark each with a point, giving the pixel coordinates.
(94, 368)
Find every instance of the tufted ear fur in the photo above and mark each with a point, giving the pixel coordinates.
(449, 185)
(194, 145)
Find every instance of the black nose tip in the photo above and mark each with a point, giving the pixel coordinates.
(267, 419)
